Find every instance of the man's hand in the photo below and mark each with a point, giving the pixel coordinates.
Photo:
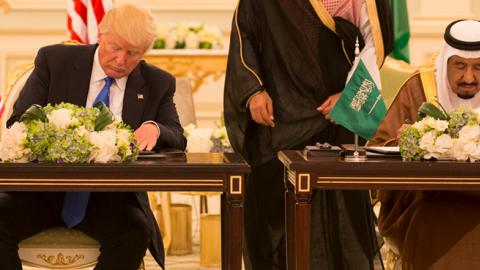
(147, 135)
(261, 109)
(401, 130)
(328, 105)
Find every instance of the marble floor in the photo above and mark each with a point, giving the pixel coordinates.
(185, 262)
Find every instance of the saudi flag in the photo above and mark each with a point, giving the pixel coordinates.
(361, 108)
(401, 30)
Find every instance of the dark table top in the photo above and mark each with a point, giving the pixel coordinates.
(194, 171)
(386, 172)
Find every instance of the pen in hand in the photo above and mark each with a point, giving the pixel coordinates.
(408, 121)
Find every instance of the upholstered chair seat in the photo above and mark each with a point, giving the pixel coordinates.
(58, 248)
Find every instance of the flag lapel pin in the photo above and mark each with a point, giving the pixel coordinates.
(139, 96)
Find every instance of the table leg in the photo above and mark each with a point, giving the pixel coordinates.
(232, 224)
(302, 232)
(298, 200)
(290, 225)
(225, 230)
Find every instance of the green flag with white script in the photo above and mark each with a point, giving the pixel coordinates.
(361, 108)
(401, 30)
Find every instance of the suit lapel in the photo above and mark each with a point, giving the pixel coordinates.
(136, 95)
(79, 73)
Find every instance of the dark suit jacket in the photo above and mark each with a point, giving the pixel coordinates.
(62, 74)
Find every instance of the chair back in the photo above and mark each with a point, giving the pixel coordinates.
(183, 100)
(393, 74)
(161, 202)
(15, 82)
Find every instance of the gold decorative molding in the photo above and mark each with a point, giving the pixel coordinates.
(235, 184)
(291, 175)
(15, 74)
(387, 180)
(303, 182)
(5, 5)
(60, 259)
(196, 65)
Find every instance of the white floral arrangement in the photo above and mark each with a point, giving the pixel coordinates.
(67, 133)
(442, 136)
(188, 36)
(203, 140)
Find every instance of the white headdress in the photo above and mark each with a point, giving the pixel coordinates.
(462, 38)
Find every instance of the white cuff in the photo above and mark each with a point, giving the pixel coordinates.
(154, 123)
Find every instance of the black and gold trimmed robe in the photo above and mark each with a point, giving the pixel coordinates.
(284, 48)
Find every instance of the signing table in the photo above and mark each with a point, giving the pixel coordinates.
(219, 172)
(303, 175)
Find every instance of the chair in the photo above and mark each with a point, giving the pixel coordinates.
(183, 99)
(161, 202)
(393, 74)
(16, 79)
(56, 248)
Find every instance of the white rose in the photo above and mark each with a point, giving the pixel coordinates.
(198, 141)
(423, 124)
(470, 147)
(427, 142)
(188, 129)
(443, 147)
(210, 34)
(61, 118)
(440, 125)
(219, 133)
(459, 150)
(170, 41)
(191, 41)
(443, 143)
(475, 153)
(12, 146)
(106, 150)
(181, 31)
(469, 133)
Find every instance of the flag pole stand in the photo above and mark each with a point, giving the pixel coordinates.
(354, 153)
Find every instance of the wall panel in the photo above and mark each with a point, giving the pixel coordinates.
(26, 25)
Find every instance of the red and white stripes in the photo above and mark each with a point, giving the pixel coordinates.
(83, 17)
(2, 107)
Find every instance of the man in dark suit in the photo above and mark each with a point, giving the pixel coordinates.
(139, 93)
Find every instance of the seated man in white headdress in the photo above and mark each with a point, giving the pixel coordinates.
(435, 229)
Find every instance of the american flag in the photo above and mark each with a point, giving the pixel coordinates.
(83, 17)
(2, 108)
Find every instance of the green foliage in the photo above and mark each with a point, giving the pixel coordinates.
(35, 112)
(409, 144)
(429, 109)
(104, 118)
